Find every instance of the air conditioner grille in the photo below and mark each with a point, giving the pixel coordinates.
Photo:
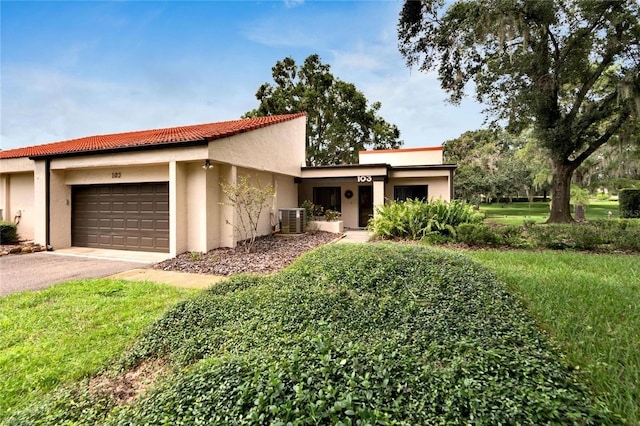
(292, 221)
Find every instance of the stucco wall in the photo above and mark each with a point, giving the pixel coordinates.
(403, 157)
(16, 165)
(117, 161)
(279, 148)
(16, 197)
(116, 175)
(268, 214)
(438, 187)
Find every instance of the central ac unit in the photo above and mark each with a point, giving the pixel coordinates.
(292, 221)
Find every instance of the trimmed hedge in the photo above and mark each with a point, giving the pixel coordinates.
(8, 232)
(349, 334)
(629, 201)
(605, 235)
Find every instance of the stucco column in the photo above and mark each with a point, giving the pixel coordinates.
(5, 195)
(228, 175)
(40, 202)
(212, 190)
(177, 208)
(60, 211)
(378, 195)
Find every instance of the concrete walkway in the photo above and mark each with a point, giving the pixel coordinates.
(122, 255)
(355, 236)
(178, 279)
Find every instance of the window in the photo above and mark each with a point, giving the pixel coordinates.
(403, 193)
(328, 197)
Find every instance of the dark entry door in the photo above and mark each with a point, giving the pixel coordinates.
(122, 217)
(365, 205)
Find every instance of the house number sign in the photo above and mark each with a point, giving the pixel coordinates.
(364, 179)
(116, 175)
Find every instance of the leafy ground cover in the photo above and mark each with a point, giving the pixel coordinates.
(349, 334)
(58, 335)
(517, 213)
(590, 304)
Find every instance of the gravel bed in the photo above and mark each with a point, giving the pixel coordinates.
(270, 254)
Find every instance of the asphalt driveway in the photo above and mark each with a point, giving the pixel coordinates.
(40, 270)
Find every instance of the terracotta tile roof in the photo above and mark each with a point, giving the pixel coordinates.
(149, 138)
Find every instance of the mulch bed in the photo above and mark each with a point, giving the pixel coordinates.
(270, 254)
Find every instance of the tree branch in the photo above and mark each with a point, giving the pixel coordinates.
(604, 138)
(606, 62)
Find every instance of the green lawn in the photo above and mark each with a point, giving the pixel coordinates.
(590, 304)
(71, 330)
(516, 213)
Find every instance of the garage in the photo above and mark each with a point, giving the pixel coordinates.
(121, 217)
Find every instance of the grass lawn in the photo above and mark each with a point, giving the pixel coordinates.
(516, 213)
(590, 304)
(60, 334)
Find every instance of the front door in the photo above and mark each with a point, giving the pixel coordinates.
(365, 205)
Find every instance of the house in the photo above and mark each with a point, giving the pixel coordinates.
(159, 190)
(380, 175)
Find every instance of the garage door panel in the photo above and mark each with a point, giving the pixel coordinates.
(147, 242)
(123, 216)
(147, 225)
(147, 206)
(118, 206)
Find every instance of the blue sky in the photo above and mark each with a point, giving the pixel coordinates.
(80, 68)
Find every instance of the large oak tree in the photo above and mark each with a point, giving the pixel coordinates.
(569, 69)
(340, 121)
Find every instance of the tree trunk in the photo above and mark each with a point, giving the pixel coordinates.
(561, 192)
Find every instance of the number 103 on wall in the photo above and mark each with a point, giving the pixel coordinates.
(364, 179)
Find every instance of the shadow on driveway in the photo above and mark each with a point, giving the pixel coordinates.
(40, 270)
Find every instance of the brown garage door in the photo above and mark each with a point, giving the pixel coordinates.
(122, 217)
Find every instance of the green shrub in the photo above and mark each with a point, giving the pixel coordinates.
(8, 232)
(606, 234)
(479, 234)
(353, 334)
(331, 215)
(311, 210)
(415, 219)
(585, 237)
(629, 200)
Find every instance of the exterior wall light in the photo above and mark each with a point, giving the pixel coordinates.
(207, 165)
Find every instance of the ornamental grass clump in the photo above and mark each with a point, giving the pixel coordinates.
(352, 334)
(416, 219)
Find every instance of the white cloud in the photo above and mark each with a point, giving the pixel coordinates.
(293, 3)
(42, 106)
